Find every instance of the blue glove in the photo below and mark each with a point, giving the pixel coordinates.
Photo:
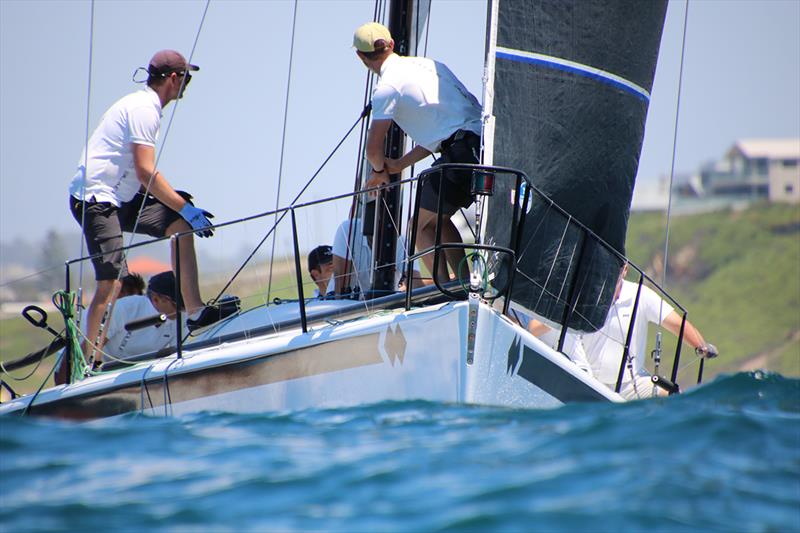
(198, 219)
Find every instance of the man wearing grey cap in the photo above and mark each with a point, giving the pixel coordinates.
(434, 108)
(107, 193)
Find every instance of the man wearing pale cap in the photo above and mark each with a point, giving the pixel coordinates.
(117, 188)
(434, 108)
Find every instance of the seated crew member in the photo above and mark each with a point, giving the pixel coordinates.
(107, 193)
(352, 267)
(434, 108)
(605, 347)
(320, 268)
(159, 300)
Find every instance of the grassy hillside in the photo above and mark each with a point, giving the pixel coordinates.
(738, 275)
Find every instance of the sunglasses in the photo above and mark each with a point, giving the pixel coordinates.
(183, 73)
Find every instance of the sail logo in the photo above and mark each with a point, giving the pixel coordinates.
(522, 188)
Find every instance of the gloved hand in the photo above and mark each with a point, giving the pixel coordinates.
(198, 219)
(709, 351)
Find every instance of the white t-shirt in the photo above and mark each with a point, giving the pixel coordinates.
(121, 343)
(133, 119)
(604, 348)
(361, 255)
(425, 99)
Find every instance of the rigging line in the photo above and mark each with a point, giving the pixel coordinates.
(463, 212)
(674, 151)
(427, 28)
(360, 164)
(555, 259)
(555, 296)
(391, 218)
(283, 145)
(361, 117)
(30, 276)
(35, 368)
(86, 143)
(48, 376)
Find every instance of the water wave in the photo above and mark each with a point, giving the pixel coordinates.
(722, 457)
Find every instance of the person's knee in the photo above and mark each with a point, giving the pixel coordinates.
(178, 226)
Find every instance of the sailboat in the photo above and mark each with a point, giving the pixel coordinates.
(565, 101)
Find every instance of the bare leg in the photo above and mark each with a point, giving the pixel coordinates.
(105, 292)
(455, 256)
(426, 236)
(190, 289)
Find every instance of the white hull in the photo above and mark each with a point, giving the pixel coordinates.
(420, 354)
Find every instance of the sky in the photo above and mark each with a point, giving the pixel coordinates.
(741, 79)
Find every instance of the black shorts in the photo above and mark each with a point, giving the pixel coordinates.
(104, 224)
(461, 147)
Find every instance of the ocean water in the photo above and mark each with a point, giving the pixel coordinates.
(724, 457)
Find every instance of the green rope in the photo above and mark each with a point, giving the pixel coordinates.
(65, 302)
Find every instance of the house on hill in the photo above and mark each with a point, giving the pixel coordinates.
(755, 168)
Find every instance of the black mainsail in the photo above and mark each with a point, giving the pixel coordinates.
(571, 88)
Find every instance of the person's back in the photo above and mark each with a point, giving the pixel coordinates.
(425, 99)
(359, 253)
(133, 119)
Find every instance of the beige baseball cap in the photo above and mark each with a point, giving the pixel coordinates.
(367, 35)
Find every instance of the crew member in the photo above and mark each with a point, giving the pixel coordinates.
(434, 108)
(159, 300)
(107, 193)
(605, 347)
(320, 268)
(353, 264)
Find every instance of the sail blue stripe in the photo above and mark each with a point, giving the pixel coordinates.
(575, 68)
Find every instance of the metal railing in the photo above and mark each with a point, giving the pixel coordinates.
(511, 254)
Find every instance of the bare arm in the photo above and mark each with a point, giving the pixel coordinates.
(690, 333)
(537, 328)
(418, 153)
(375, 143)
(144, 163)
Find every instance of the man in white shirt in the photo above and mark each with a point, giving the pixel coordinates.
(159, 300)
(107, 192)
(353, 264)
(605, 347)
(434, 108)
